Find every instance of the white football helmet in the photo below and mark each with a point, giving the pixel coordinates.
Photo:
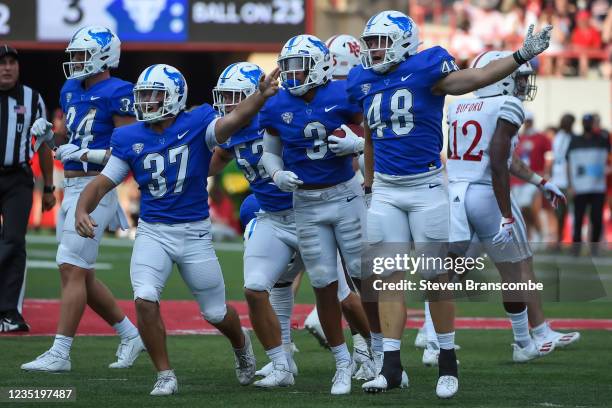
(91, 50)
(391, 32)
(307, 54)
(237, 82)
(521, 83)
(159, 93)
(345, 50)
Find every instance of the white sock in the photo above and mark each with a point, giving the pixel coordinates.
(430, 330)
(281, 300)
(165, 373)
(391, 344)
(520, 327)
(541, 331)
(126, 329)
(277, 355)
(341, 354)
(62, 345)
(446, 341)
(359, 342)
(377, 342)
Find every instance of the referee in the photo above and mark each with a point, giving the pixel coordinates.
(20, 106)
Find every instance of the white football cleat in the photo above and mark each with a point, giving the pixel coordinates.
(127, 352)
(165, 385)
(341, 383)
(245, 363)
(313, 325)
(421, 338)
(267, 369)
(560, 339)
(430, 355)
(379, 384)
(447, 386)
(279, 376)
(50, 361)
(532, 351)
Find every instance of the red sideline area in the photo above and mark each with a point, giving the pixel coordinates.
(183, 317)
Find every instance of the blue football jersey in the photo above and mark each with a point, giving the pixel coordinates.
(248, 209)
(89, 114)
(247, 148)
(404, 116)
(304, 127)
(170, 168)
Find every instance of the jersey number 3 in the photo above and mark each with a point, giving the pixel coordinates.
(156, 162)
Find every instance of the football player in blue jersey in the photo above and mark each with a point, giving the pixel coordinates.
(169, 151)
(266, 276)
(401, 92)
(328, 199)
(94, 103)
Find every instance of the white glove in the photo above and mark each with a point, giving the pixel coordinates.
(43, 131)
(69, 152)
(552, 193)
(505, 234)
(535, 44)
(286, 180)
(349, 144)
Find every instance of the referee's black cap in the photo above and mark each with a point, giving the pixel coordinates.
(6, 49)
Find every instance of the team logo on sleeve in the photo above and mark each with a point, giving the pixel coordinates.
(137, 147)
(365, 88)
(287, 117)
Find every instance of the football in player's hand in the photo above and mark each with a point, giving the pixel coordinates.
(355, 128)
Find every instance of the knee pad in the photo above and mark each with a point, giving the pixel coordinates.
(146, 292)
(214, 315)
(351, 234)
(310, 246)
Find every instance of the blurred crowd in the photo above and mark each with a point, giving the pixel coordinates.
(581, 40)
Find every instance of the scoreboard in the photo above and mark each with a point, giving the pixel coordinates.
(232, 25)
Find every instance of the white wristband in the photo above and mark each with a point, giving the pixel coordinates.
(536, 179)
(96, 156)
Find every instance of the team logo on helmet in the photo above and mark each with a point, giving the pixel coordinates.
(103, 38)
(137, 147)
(287, 117)
(402, 22)
(253, 75)
(177, 78)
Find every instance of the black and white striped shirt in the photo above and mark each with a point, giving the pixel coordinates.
(19, 108)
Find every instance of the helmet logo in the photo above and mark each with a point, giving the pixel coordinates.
(319, 44)
(402, 22)
(103, 38)
(354, 48)
(177, 78)
(253, 75)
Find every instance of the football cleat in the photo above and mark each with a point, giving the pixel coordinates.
(11, 322)
(127, 352)
(560, 339)
(245, 361)
(363, 365)
(50, 361)
(279, 376)
(532, 351)
(313, 325)
(165, 385)
(267, 369)
(421, 338)
(430, 355)
(341, 383)
(379, 384)
(447, 386)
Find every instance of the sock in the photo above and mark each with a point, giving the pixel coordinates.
(430, 330)
(125, 329)
(520, 327)
(391, 344)
(359, 342)
(377, 342)
(165, 373)
(278, 356)
(392, 368)
(446, 341)
(281, 300)
(541, 331)
(62, 345)
(341, 354)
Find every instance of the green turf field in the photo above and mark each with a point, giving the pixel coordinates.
(579, 376)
